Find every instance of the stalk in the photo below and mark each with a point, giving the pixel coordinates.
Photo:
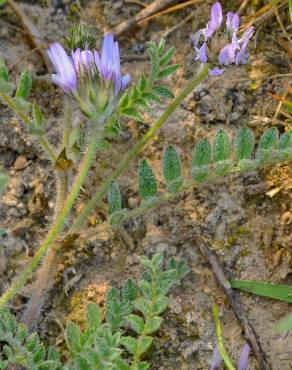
(97, 198)
(60, 219)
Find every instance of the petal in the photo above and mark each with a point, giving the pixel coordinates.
(97, 59)
(61, 61)
(246, 36)
(227, 55)
(232, 22)
(196, 37)
(243, 360)
(216, 71)
(242, 56)
(216, 20)
(201, 53)
(216, 362)
(67, 87)
(125, 80)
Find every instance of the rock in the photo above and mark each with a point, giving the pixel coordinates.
(20, 162)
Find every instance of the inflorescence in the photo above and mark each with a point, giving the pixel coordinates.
(221, 47)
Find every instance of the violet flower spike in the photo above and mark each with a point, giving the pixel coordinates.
(65, 76)
(224, 47)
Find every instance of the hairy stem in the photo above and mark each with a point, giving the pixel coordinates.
(40, 289)
(98, 196)
(27, 120)
(60, 220)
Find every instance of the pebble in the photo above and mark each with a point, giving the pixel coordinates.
(132, 202)
(20, 162)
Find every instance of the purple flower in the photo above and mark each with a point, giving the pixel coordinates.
(243, 360)
(221, 47)
(72, 69)
(232, 22)
(215, 21)
(65, 76)
(216, 361)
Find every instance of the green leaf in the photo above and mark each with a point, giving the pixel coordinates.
(146, 180)
(24, 85)
(285, 324)
(136, 323)
(93, 316)
(167, 57)
(151, 97)
(4, 179)
(130, 290)
(221, 147)
(161, 45)
(114, 198)
(37, 114)
(163, 91)
(268, 141)
(130, 344)
(103, 145)
(21, 333)
(4, 76)
(143, 365)
(160, 305)
(275, 291)
(53, 354)
(142, 83)
(285, 141)
(39, 353)
(168, 71)
(244, 143)
(32, 342)
(171, 168)
(6, 87)
(141, 103)
(145, 343)
(124, 101)
(290, 9)
(201, 159)
(171, 164)
(73, 337)
(143, 305)
(153, 324)
(181, 268)
(132, 113)
(3, 2)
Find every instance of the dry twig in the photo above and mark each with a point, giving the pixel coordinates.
(236, 305)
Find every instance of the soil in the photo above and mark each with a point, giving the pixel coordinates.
(249, 226)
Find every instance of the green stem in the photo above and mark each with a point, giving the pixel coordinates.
(97, 198)
(60, 220)
(43, 141)
(225, 356)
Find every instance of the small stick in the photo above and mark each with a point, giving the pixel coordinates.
(154, 7)
(32, 31)
(235, 303)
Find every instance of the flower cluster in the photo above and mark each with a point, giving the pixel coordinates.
(221, 47)
(89, 67)
(242, 362)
